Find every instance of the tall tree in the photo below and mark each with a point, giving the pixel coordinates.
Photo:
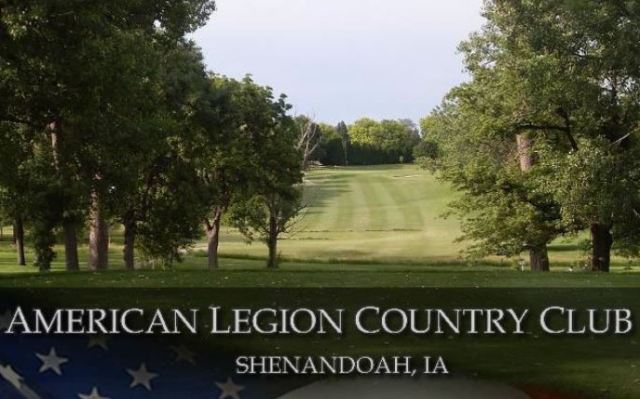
(14, 186)
(562, 75)
(243, 127)
(308, 140)
(331, 148)
(79, 86)
(164, 134)
(273, 199)
(503, 212)
(343, 131)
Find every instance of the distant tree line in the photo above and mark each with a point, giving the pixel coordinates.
(366, 142)
(108, 119)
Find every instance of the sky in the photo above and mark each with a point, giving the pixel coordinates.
(344, 59)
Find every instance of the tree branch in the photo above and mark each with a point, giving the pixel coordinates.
(567, 123)
(566, 128)
(531, 126)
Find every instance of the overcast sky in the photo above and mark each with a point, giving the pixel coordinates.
(344, 59)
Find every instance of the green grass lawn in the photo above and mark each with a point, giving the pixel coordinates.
(390, 214)
(378, 227)
(383, 213)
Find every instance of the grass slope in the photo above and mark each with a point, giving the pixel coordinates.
(381, 219)
(389, 214)
(381, 227)
(383, 213)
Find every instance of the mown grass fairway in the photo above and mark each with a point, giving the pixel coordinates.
(390, 214)
(380, 219)
(385, 213)
(371, 228)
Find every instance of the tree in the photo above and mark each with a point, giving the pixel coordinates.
(78, 78)
(565, 80)
(343, 132)
(268, 216)
(14, 187)
(502, 210)
(237, 122)
(332, 148)
(308, 140)
(146, 180)
(273, 201)
(174, 208)
(388, 141)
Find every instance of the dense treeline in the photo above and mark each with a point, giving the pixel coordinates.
(108, 118)
(543, 140)
(367, 142)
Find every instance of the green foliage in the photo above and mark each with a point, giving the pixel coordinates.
(503, 210)
(155, 190)
(234, 147)
(343, 132)
(331, 150)
(272, 199)
(175, 210)
(563, 74)
(425, 150)
(253, 216)
(89, 83)
(385, 142)
(368, 142)
(599, 184)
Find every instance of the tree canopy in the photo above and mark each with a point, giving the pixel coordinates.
(555, 86)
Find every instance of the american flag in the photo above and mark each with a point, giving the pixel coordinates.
(119, 367)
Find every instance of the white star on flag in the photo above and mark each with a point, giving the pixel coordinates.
(142, 376)
(11, 376)
(229, 389)
(93, 395)
(52, 362)
(184, 354)
(99, 341)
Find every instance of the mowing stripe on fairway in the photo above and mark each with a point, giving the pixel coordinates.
(376, 215)
(405, 205)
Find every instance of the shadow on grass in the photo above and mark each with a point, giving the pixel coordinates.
(320, 190)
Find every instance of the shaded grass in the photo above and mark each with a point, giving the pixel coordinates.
(252, 273)
(365, 216)
(389, 213)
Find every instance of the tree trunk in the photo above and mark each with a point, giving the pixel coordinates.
(130, 231)
(272, 243)
(272, 262)
(601, 241)
(69, 226)
(18, 233)
(71, 245)
(98, 236)
(524, 152)
(538, 255)
(539, 259)
(213, 235)
(54, 127)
